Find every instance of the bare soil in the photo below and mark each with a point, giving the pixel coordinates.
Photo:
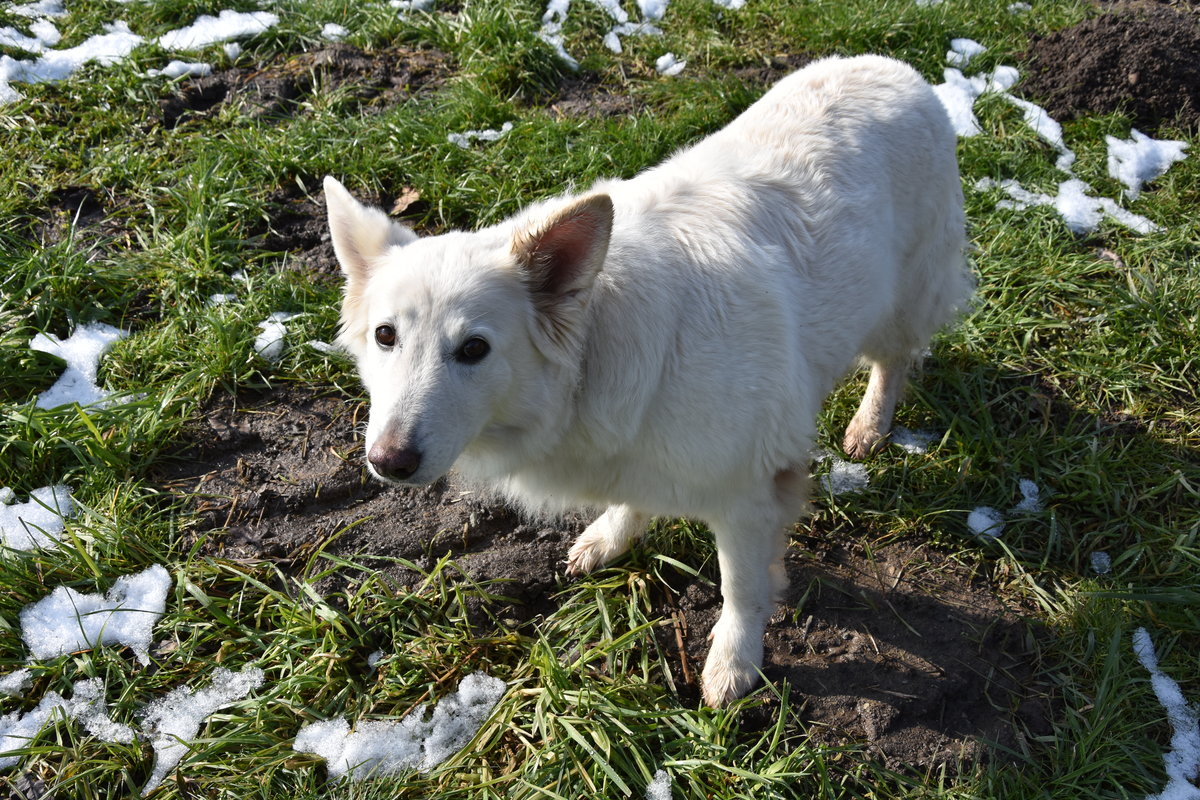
(1142, 59)
(895, 649)
(375, 80)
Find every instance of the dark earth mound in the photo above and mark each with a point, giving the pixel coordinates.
(375, 80)
(1140, 59)
(896, 649)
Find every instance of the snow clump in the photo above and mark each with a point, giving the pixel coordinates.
(174, 719)
(962, 51)
(82, 352)
(380, 747)
(269, 343)
(660, 787)
(1183, 762)
(464, 140)
(1141, 159)
(14, 684)
(67, 621)
(37, 523)
(208, 30)
(183, 69)
(86, 705)
(668, 65)
(986, 521)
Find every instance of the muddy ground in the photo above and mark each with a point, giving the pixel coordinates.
(1142, 59)
(899, 651)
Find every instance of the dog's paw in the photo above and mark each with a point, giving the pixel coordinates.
(862, 441)
(732, 668)
(726, 679)
(591, 551)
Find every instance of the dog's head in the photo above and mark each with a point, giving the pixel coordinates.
(459, 337)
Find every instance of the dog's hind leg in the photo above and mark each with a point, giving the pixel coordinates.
(750, 544)
(606, 539)
(873, 420)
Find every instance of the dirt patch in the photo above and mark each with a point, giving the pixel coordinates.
(893, 648)
(83, 213)
(375, 80)
(1143, 60)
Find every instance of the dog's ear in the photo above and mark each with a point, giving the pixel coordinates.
(360, 234)
(560, 258)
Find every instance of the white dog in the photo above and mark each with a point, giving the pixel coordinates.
(661, 346)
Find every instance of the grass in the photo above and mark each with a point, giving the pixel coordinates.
(1075, 370)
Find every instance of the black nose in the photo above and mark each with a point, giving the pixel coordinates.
(395, 463)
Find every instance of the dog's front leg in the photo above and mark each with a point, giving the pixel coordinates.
(606, 539)
(750, 552)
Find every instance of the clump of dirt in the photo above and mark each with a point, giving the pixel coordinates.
(376, 80)
(1143, 60)
(894, 648)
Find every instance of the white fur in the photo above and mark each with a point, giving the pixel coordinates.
(666, 354)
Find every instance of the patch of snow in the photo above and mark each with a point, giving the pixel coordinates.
(551, 30)
(1031, 501)
(55, 65)
(652, 10)
(43, 34)
(612, 39)
(914, 442)
(667, 64)
(843, 476)
(464, 140)
(1101, 563)
(221, 299)
(86, 705)
(7, 496)
(734, 5)
(1141, 159)
(17, 729)
(962, 51)
(374, 659)
(928, 3)
(41, 8)
(324, 347)
(175, 719)
(36, 523)
(270, 342)
(179, 69)
(660, 787)
(334, 32)
(411, 5)
(232, 51)
(67, 621)
(1047, 128)
(1081, 211)
(1019, 8)
(1182, 763)
(82, 352)
(208, 30)
(986, 521)
(380, 747)
(14, 684)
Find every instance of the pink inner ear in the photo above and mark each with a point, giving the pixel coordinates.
(562, 251)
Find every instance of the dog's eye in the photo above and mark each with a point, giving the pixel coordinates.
(473, 351)
(385, 336)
